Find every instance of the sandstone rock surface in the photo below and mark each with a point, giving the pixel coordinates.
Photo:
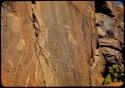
(56, 43)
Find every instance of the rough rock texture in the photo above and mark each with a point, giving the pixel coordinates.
(47, 44)
(52, 43)
(110, 38)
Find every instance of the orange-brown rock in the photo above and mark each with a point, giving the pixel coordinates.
(117, 84)
(58, 43)
(47, 43)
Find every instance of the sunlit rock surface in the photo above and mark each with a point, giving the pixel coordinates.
(57, 43)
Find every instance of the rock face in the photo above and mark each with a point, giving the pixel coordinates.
(52, 43)
(110, 39)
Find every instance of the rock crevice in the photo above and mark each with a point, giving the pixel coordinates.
(66, 43)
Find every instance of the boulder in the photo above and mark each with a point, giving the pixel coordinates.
(100, 32)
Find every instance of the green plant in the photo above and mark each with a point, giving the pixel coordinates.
(107, 79)
(114, 74)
